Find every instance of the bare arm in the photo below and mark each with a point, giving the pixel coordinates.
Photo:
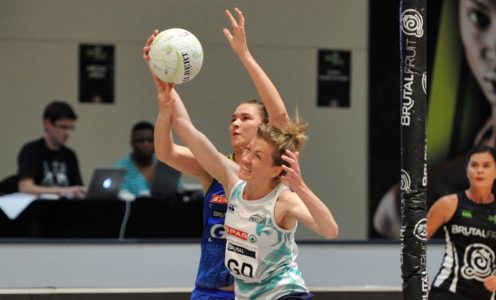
(176, 156)
(306, 206)
(440, 213)
(266, 89)
(490, 283)
(215, 163)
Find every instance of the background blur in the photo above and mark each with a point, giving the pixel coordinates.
(39, 42)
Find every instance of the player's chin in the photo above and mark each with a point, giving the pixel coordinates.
(238, 141)
(244, 175)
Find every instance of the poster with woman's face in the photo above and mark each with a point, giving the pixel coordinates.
(461, 104)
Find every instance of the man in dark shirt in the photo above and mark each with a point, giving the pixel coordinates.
(46, 165)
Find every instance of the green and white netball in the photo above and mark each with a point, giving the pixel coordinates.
(176, 56)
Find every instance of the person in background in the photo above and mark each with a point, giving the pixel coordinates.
(476, 27)
(141, 164)
(468, 218)
(46, 165)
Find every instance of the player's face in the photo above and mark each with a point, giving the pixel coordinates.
(59, 131)
(478, 33)
(244, 124)
(142, 143)
(257, 162)
(481, 170)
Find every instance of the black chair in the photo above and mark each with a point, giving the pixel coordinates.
(9, 185)
(165, 181)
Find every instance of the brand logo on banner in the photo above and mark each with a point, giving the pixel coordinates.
(420, 230)
(406, 181)
(412, 23)
(424, 82)
(409, 81)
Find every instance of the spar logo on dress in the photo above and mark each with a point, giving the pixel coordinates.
(237, 233)
(220, 199)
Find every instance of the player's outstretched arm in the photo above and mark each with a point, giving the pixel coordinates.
(266, 89)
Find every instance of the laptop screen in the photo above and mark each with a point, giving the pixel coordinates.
(105, 183)
(165, 181)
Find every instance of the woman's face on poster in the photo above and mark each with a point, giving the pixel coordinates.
(478, 34)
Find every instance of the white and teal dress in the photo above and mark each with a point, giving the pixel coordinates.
(259, 254)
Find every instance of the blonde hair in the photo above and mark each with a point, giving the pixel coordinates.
(291, 137)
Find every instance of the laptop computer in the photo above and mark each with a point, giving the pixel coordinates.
(165, 181)
(105, 183)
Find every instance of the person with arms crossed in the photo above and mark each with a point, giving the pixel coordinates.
(469, 222)
(46, 165)
(213, 280)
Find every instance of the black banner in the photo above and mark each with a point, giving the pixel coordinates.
(334, 78)
(96, 73)
(413, 94)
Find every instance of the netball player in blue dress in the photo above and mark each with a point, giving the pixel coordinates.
(213, 280)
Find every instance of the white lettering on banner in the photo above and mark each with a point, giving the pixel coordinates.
(410, 54)
(407, 101)
(408, 81)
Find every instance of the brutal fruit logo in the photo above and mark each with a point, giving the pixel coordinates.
(412, 23)
(478, 262)
(406, 181)
(420, 230)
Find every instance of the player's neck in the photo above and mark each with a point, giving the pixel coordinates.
(480, 196)
(237, 156)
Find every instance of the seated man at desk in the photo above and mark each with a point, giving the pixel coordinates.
(146, 176)
(46, 165)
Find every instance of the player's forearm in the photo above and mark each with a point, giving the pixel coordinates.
(321, 214)
(267, 91)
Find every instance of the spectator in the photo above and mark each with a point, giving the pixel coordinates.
(141, 164)
(46, 165)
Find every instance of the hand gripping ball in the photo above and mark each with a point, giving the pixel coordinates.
(176, 56)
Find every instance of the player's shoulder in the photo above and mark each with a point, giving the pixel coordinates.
(446, 204)
(288, 197)
(449, 199)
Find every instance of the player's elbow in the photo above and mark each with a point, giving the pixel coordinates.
(23, 186)
(332, 232)
(280, 120)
